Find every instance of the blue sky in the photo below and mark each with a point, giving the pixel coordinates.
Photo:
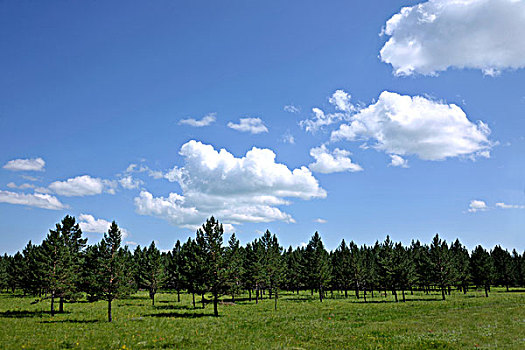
(417, 125)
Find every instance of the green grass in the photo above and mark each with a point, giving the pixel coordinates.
(301, 322)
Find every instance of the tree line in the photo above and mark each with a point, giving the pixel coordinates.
(64, 268)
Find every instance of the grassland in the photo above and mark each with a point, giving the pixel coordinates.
(301, 322)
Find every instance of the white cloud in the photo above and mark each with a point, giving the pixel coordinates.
(38, 200)
(30, 178)
(33, 164)
(24, 186)
(398, 161)
(291, 109)
(327, 162)
(130, 243)
(205, 121)
(84, 185)
(235, 190)
(88, 223)
(320, 221)
(404, 125)
(288, 138)
(252, 125)
(129, 183)
(435, 35)
(477, 205)
(509, 206)
(341, 101)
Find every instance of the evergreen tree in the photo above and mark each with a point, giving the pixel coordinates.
(441, 264)
(209, 238)
(502, 261)
(482, 268)
(151, 271)
(461, 265)
(113, 279)
(174, 268)
(56, 260)
(342, 273)
(318, 265)
(234, 266)
(4, 272)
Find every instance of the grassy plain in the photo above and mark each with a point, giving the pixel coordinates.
(301, 322)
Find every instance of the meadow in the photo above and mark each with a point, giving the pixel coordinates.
(300, 322)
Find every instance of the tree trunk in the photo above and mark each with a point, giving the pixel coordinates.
(178, 295)
(275, 304)
(395, 294)
(443, 292)
(256, 295)
(193, 293)
(346, 293)
(507, 287)
(364, 295)
(215, 302)
(109, 311)
(321, 294)
(53, 304)
(249, 294)
(486, 291)
(372, 291)
(357, 293)
(202, 300)
(403, 294)
(61, 305)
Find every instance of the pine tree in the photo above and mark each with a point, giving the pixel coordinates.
(441, 264)
(342, 273)
(174, 268)
(318, 265)
(234, 266)
(113, 279)
(482, 268)
(502, 261)
(56, 261)
(209, 238)
(151, 271)
(4, 272)
(461, 263)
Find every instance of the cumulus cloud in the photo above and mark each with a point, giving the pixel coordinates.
(84, 185)
(33, 164)
(403, 125)
(252, 125)
(477, 205)
(205, 121)
(129, 183)
(235, 190)
(38, 200)
(291, 109)
(88, 223)
(327, 162)
(509, 206)
(288, 138)
(398, 161)
(341, 101)
(435, 35)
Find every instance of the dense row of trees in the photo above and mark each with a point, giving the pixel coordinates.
(65, 268)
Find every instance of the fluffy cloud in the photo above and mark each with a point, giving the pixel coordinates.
(88, 223)
(291, 109)
(84, 185)
(509, 206)
(129, 183)
(327, 162)
(435, 35)
(398, 161)
(320, 221)
(22, 186)
(33, 164)
(477, 205)
(205, 121)
(416, 125)
(252, 125)
(235, 190)
(288, 138)
(38, 200)
(341, 101)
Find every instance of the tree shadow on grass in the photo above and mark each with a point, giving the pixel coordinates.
(511, 291)
(25, 313)
(173, 307)
(179, 315)
(70, 321)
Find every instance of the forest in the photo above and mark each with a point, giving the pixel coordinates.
(64, 268)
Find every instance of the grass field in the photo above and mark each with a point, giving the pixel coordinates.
(301, 322)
